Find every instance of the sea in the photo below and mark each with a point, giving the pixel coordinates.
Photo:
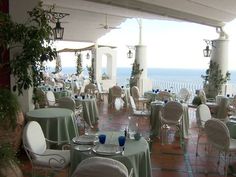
(163, 78)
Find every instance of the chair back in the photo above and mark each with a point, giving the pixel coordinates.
(67, 103)
(41, 97)
(184, 94)
(222, 108)
(33, 138)
(90, 88)
(164, 95)
(202, 96)
(77, 88)
(135, 92)
(172, 111)
(133, 105)
(100, 167)
(51, 100)
(202, 115)
(116, 91)
(217, 134)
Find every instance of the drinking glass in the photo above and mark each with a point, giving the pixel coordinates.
(102, 138)
(121, 140)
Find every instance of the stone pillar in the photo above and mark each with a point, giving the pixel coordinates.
(141, 58)
(220, 54)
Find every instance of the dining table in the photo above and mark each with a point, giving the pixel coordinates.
(58, 124)
(155, 118)
(136, 154)
(90, 112)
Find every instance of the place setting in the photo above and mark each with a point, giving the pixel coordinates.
(109, 149)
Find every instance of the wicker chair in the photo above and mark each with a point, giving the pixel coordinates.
(40, 156)
(101, 167)
(171, 116)
(202, 115)
(219, 138)
(137, 98)
(135, 112)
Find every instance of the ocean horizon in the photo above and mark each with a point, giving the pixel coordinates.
(163, 78)
(161, 74)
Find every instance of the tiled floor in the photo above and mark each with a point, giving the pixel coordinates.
(168, 160)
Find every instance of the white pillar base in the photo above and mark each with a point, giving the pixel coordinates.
(144, 85)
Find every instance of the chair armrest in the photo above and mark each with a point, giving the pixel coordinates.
(55, 142)
(55, 158)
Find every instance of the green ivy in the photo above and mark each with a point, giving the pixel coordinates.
(79, 68)
(135, 74)
(33, 41)
(214, 80)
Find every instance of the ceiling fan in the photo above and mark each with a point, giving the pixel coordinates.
(106, 26)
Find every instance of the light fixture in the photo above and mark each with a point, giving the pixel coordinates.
(207, 51)
(87, 56)
(130, 54)
(58, 31)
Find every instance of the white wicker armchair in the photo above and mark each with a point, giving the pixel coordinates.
(40, 157)
(101, 167)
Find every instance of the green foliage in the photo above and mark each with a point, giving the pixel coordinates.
(32, 39)
(58, 65)
(135, 74)
(214, 80)
(196, 101)
(9, 108)
(91, 72)
(79, 68)
(7, 154)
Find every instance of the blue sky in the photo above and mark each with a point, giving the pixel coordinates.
(170, 44)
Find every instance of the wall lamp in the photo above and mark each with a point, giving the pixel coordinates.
(58, 31)
(130, 53)
(207, 51)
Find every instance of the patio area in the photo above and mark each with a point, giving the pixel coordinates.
(166, 160)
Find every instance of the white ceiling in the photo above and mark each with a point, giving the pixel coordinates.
(85, 15)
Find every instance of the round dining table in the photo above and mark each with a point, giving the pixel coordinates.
(90, 110)
(58, 124)
(155, 118)
(136, 154)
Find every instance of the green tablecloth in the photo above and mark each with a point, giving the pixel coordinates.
(155, 119)
(231, 124)
(58, 124)
(90, 110)
(61, 94)
(136, 155)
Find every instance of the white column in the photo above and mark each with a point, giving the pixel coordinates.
(141, 58)
(220, 54)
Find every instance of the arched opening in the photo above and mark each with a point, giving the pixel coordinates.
(106, 70)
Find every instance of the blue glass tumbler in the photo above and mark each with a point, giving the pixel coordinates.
(102, 138)
(121, 140)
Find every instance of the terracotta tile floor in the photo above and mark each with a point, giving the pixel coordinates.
(168, 160)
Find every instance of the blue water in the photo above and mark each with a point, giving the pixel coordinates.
(157, 74)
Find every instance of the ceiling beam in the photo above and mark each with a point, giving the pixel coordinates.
(162, 11)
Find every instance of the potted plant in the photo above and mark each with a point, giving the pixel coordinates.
(11, 127)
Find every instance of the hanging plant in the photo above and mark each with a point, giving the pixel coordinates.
(58, 67)
(135, 74)
(33, 44)
(214, 80)
(79, 68)
(91, 72)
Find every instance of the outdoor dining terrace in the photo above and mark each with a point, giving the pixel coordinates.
(170, 156)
